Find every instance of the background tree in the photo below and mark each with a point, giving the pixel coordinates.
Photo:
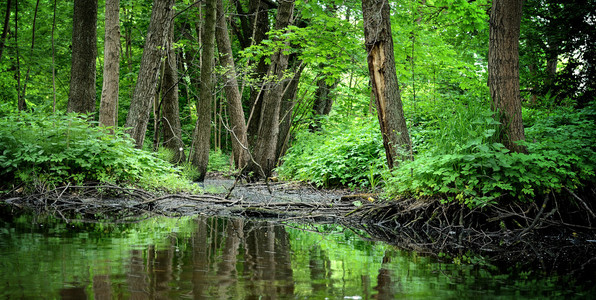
(108, 107)
(144, 94)
(266, 144)
(503, 71)
(556, 54)
(202, 133)
(172, 130)
(84, 54)
(381, 66)
(234, 99)
(5, 28)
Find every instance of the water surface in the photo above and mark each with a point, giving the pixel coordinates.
(231, 258)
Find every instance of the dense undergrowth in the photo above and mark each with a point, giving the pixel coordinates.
(40, 151)
(457, 157)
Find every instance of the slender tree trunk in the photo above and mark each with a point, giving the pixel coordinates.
(5, 28)
(144, 94)
(255, 28)
(322, 101)
(202, 132)
(22, 105)
(54, 58)
(82, 94)
(286, 111)
(381, 67)
(503, 70)
(108, 107)
(238, 123)
(172, 130)
(266, 144)
(24, 91)
(31, 58)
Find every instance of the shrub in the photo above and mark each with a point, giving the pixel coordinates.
(348, 154)
(561, 154)
(57, 149)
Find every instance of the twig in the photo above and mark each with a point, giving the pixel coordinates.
(582, 201)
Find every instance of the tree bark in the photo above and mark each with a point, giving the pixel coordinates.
(144, 94)
(23, 93)
(22, 105)
(5, 28)
(82, 94)
(202, 132)
(239, 134)
(172, 129)
(503, 71)
(258, 25)
(322, 101)
(286, 111)
(381, 67)
(266, 144)
(108, 107)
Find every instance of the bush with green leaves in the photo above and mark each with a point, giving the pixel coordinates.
(349, 154)
(561, 154)
(57, 149)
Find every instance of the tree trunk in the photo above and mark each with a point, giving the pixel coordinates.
(381, 67)
(54, 57)
(239, 137)
(22, 105)
(266, 144)
(503, 70)
(322, 101)
(5, 28)
(23, 93)
(144, 94)
(172, 130)
(82, 94)
(255, 33)
(286, 111)
(108, 107)
(202, 132)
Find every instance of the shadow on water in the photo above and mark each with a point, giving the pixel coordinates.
(233, 258)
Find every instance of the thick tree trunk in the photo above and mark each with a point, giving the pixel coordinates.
(144, 94)
(172, 129)
(238, 123)
(108, 107)
(503, 70)
(202, 132)
(82, 94)
(381, 66)
(266, 144)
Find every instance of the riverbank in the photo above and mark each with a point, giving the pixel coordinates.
(515, 233)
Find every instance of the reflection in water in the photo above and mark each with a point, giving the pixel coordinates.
(215, 258)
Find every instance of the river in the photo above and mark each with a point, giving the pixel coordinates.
(201, 257)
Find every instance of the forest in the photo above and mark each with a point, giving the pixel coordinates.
(483, 109)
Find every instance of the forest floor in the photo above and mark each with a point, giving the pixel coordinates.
(510, 235)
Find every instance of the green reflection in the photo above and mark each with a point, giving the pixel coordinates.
(207, 257)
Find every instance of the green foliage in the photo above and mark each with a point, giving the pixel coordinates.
(219, 162)
(479, 172)
(38, 149)
(345, 154)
